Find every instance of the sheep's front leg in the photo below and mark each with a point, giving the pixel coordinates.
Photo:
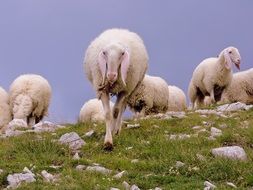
(31, 121)
(118, 110)
(108, 144)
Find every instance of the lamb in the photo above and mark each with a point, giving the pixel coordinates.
(5, 113)
(177, 99)
(151, 97)
(212, 76)
(240, 89)
(92, 111)
(30, 96)
(115, 63)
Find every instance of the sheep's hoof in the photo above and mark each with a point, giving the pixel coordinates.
(108, 146)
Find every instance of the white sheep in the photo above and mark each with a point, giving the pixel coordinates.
(5, 113)
(240, 89)
(115, 63)
(177, 99)
(151, 97)
(30, 96)
(92, 111)
(212, 76)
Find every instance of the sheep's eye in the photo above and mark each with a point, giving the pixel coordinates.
(104, 53)
(230, 52)
(123, 53)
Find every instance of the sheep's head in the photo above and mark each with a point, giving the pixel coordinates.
(232, 55)
(111, 59)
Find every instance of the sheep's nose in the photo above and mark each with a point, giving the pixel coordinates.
(112, 76)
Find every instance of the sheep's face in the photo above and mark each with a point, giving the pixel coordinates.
(112, 59)
(232, 55)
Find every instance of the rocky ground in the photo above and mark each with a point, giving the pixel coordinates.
(201, 149)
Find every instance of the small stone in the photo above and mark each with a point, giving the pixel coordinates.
(183, 136)
(76, 156)
(119, 175)
(211, 138)
(113, 188)
(98, 169)
(234, 107)
(126, 185)
(17, 123)
(1, 171)
(209, 185)
(179, 164)
(81, 167)
(200, 157)
(223, 126)
(202, 131)
(55, 167)
(48, 177)
(215, 132)
(134, 161)
(195, 168)
(46, 126)
(178, 115)
(134, 187)
(73, 140)
(129, 148)
(133, 126)
(90, 133)
(231, 185)
(231, 152)
(158, 188)
(196, 127)
(156, 126)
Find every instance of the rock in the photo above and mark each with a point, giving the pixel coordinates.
(231, 185)
(158, 188)
(13, 133)
(126, 185)
(81, 167)
(17, 123)
(173, 114)
(55, 167)
(215, 132)
(48, 177)
(209, 185)
(76, 156)
(201, 131)
(99, 169)
(196, 127)
(73, 140)
(1, 171)
(133, 126)
(179, 164)
(113, 188)
(134, 161)
(134, 187)
(119, 175)
(14, 180)
(234, 107)
(90, 133)
(46, 126)
(129, 148)
(200, 157)
(179, 137)
(231, 152)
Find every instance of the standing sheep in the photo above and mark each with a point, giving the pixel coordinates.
(151, 97)
(115, 63)
(177, 99)
(240, 89)
(212, 76)
(92, 111)
(29, 98)
(5, 113)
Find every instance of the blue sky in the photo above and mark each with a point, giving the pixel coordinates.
(49, 37)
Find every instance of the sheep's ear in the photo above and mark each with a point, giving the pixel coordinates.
(102, 64)
(228, 62)
(124, 66)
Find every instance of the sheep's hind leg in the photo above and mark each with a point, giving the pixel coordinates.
(108, 143)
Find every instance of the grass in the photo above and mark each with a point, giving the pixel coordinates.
(156, 154)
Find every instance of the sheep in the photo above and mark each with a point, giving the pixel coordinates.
(92, 111)
(30, 96)
(151, 97)
(177, 99)
(115, 63)
(240, 89)
(5, 113)
(212, 76)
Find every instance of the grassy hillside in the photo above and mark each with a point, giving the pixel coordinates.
(150, 144)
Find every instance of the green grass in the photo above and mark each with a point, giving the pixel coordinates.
(157, 155)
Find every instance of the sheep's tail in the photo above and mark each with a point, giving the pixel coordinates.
(22, 106)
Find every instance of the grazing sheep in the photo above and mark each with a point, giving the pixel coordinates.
(240, 89)
(29, 98)
(115, 63)
(151, 97)
(177, 99)
(92, 111)
(5, 113)
(212, 76)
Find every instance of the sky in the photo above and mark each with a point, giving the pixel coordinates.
(49, 37)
